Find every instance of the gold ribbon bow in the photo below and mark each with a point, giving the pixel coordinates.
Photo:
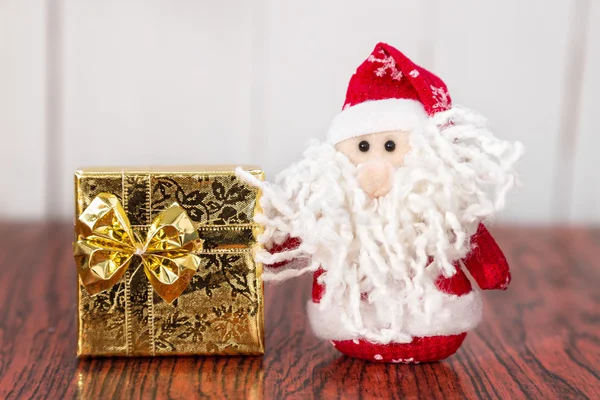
(106, 244)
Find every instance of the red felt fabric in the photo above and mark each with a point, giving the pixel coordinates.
(318, 290)
(389, 74)
(458, 284)
(486, 262)
(288, 244)
(421, 349)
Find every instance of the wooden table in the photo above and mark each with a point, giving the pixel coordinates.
(541, 339)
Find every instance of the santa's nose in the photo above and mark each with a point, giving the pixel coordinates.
(375, 177)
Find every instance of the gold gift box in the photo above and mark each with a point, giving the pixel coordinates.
(149, 289)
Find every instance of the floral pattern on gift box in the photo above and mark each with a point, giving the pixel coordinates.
(217, 201)
(220, 311)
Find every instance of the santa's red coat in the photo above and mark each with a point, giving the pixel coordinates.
(486, 264)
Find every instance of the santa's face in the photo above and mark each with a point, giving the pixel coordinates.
(377, 155)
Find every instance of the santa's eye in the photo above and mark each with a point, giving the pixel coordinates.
(364, 146)
(390, 145)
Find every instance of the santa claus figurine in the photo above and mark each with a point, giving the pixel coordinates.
(388, 213)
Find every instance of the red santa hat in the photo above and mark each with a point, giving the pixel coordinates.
(388, 92)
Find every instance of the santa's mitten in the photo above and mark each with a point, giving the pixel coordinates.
(486, 262)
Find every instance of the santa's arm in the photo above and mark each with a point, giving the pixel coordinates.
(486, 262)
(291, 243)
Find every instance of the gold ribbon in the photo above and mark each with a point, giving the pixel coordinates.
(106, 244)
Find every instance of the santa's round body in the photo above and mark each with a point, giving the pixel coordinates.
(434, 336)
(387, 214)
(461, 312)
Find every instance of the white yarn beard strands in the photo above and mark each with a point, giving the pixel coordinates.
(392, 248)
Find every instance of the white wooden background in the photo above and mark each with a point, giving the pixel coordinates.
(86, 82)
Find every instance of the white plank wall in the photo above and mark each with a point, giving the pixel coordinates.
(585, 196)
(180, 82)
(154, 82)
(22, 109)
(504, 59)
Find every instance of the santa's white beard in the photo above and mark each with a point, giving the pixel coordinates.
(392, 248)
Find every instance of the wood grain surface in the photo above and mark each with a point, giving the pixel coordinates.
(540, 339)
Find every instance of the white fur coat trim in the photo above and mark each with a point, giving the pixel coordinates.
(456, 314)
(376, 116)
